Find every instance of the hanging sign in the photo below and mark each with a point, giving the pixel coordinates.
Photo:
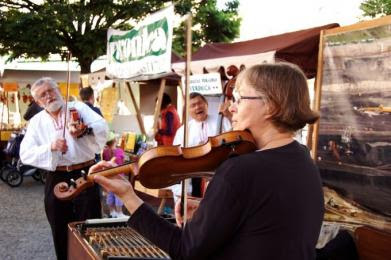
(205, 84)
(10, 86)
(73, 89)
(145, 50)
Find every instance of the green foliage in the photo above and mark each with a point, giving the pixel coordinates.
(374, 8)
(209, 24)
(29, 29)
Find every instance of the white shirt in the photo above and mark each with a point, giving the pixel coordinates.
(42, 130)
(200, 131)
(198, 134)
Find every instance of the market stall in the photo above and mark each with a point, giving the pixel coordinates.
(299, 47)
(15, 81)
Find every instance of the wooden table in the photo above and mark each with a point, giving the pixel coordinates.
(162, 194)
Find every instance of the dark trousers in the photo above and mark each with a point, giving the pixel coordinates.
(59, 213)
(196, 187)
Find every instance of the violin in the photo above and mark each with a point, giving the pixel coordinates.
(164, 166)
(75, 120)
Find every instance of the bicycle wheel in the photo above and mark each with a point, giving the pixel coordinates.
(4, 172)
(37, 175)
(14, 178)
(43, 176)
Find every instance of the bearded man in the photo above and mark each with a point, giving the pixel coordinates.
(45, 147)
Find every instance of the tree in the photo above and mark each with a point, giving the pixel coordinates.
(374, 8)
(36, 29)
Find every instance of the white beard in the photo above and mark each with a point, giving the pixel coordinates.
(54, 106)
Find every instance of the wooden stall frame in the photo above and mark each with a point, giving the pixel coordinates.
(158, 105)
(138, 114)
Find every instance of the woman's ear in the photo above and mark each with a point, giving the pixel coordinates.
(270, 110)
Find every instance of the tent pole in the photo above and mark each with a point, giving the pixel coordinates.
(2, 111)
(8, 111)
(138, 114)
(17, 104)
(186, 114)
(311, 127)
(318, 90)
(158, 105)
(183, 98)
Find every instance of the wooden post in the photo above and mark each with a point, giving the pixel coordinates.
(158, 105)
(2, 112)
(17, 105)
(318, 90)
(186, 114)
(311, 127)
(183, 96)
(8, 111)
(138, 114)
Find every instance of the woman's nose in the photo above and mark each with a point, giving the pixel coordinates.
(232, 107)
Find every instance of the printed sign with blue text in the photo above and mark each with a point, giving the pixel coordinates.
(205, 84)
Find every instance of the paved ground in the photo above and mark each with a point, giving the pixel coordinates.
(24, 230)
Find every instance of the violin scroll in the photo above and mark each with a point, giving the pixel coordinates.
(68, 191)
(232, 71)
(65, 191)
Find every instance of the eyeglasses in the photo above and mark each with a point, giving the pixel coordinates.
(236, 97)
(47, 93)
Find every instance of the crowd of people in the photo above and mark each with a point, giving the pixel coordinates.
(267, 204)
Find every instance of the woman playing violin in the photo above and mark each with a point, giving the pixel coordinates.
(267, 204)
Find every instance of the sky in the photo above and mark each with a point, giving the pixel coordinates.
(261, 18)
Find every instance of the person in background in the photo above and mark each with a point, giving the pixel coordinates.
(267, 204)
(65, 157)
(87, 96)
(169, 122)
(32, 109)
(201, 126)
(116, 155)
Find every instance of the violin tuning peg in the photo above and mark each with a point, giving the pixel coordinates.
(72, 182)
(84, 174)
(233, 151)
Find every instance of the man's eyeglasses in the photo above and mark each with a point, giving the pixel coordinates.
(236, 97)
(47, 93)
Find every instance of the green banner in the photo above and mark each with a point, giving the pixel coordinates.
(145, 50)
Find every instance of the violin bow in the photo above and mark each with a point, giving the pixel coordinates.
(69, 56)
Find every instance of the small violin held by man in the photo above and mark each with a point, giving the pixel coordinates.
(76, 124)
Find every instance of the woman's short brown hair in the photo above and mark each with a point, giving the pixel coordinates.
(285, 87)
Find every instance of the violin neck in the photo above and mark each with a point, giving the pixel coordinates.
(126, 169)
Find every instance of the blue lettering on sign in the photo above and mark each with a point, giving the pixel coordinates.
(200, 88)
